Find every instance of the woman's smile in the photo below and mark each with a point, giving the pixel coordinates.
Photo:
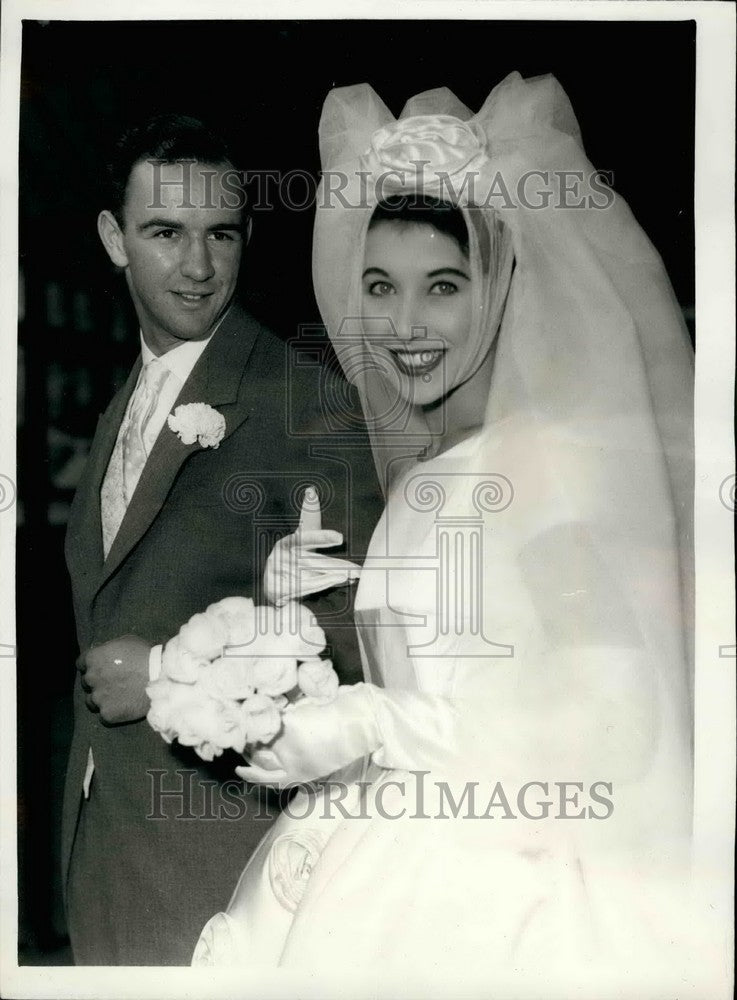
(417, 361)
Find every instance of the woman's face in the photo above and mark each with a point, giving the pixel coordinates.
(417, 306)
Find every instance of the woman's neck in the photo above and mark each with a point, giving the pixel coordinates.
(460, 414)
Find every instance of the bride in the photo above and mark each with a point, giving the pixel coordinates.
(510, 789)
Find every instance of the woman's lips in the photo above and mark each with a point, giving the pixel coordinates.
(420, 362)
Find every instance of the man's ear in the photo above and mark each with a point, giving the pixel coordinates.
(112, 238)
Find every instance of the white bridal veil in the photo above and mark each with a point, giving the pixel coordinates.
(589, 417)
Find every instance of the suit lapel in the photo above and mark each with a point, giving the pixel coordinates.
(216, 379)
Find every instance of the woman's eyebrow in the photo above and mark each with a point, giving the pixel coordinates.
(448, 270)
(376, 270)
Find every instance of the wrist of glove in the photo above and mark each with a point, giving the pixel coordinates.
(407, 730)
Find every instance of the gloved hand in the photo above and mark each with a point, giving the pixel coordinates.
(317, 739)
(295, 570)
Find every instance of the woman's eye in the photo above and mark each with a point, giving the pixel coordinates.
(380, 288)
(444, 288)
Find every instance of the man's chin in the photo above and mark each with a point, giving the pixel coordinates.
(162, 338)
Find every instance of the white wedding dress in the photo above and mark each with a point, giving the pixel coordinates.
(402, 883)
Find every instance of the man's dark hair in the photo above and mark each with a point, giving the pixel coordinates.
(168, 138)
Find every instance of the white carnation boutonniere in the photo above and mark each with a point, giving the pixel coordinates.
(198, 422)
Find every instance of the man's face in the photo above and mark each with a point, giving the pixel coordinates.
(180, 245)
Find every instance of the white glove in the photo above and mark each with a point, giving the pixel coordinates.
(294, 569)
(315, 740)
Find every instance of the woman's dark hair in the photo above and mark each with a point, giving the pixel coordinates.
(424, 210)
(167, 138)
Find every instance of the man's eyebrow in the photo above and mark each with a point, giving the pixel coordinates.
(158, 224)
(448, 270)
(170, 224)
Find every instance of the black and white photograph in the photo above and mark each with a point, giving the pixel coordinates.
(367, 491)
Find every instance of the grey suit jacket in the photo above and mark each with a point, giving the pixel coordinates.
(198, 528)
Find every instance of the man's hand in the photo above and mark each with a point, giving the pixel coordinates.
(114, 679)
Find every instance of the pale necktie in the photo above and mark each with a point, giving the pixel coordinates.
(130, 453)
(125, 468)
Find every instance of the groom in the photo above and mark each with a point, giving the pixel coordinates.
(152, 845)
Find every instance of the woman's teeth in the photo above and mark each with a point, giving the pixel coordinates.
(418, 362)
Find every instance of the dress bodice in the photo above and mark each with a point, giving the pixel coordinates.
(420, 602)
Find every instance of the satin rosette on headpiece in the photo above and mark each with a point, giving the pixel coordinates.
(428, 154)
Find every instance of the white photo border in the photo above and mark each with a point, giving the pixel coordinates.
(715, 323)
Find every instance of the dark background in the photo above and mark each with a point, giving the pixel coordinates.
(262, 84)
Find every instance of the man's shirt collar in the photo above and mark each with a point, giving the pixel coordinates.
(180, 360)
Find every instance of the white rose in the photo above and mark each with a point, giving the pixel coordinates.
(159, 714)
(312, 635)
(275, 675)
(261, 718)
(318, 680)
(169, 700)
(238, 615)
(208, 751)
(186, 712)
(232, 606)
(227, 729)
(209, 721)
(205, 635)
(230, 677)
(180, 664)
(291, 630)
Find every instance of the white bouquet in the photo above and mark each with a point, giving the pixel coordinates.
(233, 670)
